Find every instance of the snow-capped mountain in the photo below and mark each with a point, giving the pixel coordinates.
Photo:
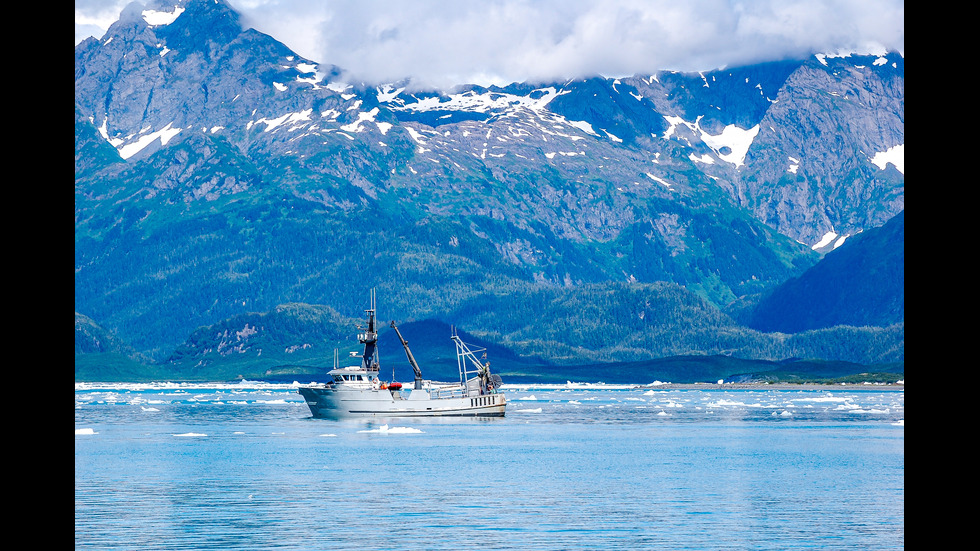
(220, 149)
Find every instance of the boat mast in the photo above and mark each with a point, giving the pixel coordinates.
(463, 355)
(369, 360)
(411, 358)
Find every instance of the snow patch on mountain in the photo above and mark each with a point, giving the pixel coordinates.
(730, 145)
(288, 118)
(658, 179)
(128, 146)
(415, 135)
(828, 238)
(472, 101)
(736, 140)
(894, 155)
(362, 117)
(156, 18)
(674, 122)
(584, 127)
(703, 159)
(794, 165)
(869, 49)
(309, 72)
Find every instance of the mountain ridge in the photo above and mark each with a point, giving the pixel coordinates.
(226, 174)
(860, 283)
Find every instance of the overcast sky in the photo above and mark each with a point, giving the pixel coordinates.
(446, 42)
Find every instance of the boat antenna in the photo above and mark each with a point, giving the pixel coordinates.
(369, 339)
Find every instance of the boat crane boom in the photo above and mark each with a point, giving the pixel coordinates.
(411, 358)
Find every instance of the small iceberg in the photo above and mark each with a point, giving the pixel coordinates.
(85, 431)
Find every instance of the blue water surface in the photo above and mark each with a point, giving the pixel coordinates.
(576, 467)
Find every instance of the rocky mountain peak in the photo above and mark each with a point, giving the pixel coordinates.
(234, 155)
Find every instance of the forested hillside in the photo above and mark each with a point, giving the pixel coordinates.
(233, 197)
(861, 283)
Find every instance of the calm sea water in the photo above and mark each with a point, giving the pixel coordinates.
(583, 467)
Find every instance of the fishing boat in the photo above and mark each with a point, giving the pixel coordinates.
(357, 390)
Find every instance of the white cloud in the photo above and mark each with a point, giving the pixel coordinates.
(445, 42)
(93, 17)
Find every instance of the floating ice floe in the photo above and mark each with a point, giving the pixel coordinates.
(826, 398)
(85, 431)
(190, 434)
(527, 410)
(723, 403)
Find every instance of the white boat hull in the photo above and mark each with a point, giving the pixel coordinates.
(336, 401)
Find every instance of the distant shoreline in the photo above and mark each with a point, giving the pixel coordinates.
(878, 387)
(777, 386)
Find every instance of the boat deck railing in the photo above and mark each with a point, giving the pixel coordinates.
(454, 391)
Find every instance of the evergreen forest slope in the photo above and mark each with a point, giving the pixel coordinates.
(237, 204)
